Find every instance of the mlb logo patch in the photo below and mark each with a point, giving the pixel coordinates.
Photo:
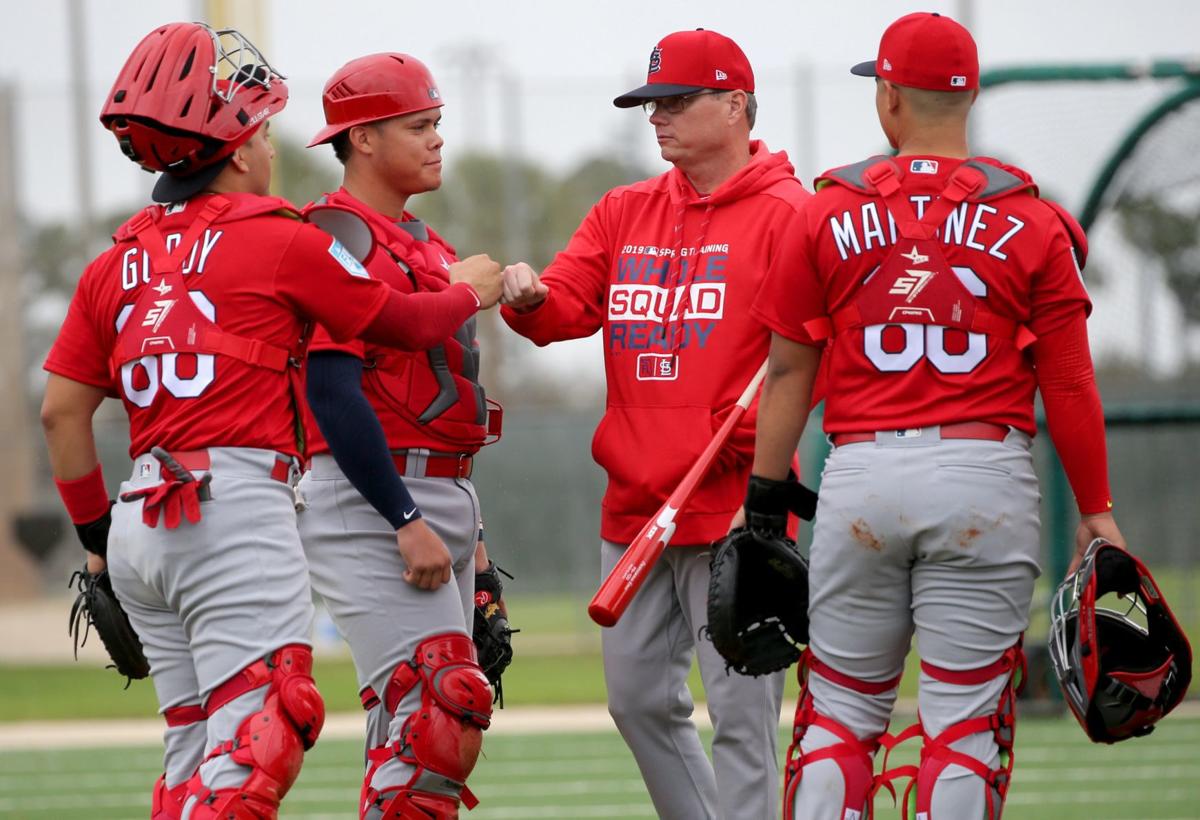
(434, 95)
(958, 81)
(143, 471)
(923, 166)
(346, 259)
(657, 367)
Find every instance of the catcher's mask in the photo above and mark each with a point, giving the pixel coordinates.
(189, 95)
(375, 87)
(1123, 663)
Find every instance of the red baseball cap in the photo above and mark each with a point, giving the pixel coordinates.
(690, 61)
(924, 50)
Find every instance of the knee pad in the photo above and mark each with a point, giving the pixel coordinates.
(937, 754)
(441, 739)
(271, 742)
(854, 756)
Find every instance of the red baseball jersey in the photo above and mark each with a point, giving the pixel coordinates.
(668, 276)
(1013, 254)
(415, 407)
(257, 272)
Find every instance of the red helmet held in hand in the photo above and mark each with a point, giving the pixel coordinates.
(375, 87)
(172, 109)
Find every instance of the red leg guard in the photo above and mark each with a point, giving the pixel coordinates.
(271, 742)
(441, 739)
(853, 756)
(936, 754)
(167, 803)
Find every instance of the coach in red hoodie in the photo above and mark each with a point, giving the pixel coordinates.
(667, 269)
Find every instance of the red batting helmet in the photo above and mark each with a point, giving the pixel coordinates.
(1122, 664)
(375, 87)
(171, 111)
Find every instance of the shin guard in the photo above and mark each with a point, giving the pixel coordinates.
(167, 803)
(441, 739)
(854, 756)
(936, 754)
(271, 742)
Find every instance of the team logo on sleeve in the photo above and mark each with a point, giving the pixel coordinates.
(657, 367)
(346, 259)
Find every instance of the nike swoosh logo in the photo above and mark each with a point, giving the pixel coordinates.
(410, 513)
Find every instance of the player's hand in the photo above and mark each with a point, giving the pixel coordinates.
(428, 559)
(523, 288)
(1091, 527)
(95, 564)
(482, 273)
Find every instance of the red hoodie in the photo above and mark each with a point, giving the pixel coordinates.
(680, 343)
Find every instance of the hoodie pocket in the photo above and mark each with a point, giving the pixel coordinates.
(647, 450)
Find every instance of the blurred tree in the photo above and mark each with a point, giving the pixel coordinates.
(301, 174)
(1171, 236)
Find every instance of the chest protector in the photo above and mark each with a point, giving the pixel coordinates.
(915, 283)
(165, 320)
(435, 391)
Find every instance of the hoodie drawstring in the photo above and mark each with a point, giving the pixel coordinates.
(678, 286)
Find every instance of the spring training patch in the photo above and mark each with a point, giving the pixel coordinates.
(346, 259)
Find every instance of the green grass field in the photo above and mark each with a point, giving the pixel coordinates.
(1060, 776)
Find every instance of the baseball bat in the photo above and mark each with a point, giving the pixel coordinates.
(626, 578)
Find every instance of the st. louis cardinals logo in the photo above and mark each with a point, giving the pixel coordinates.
(655, 61)
(156, 315)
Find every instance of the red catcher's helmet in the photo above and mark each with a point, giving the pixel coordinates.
(375, 87)
(1125, 663)
(170, 108)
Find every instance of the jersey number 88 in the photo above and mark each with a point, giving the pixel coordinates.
(165, 374)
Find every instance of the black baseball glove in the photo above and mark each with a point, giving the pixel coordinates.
(757, 601)
(97, 606)
(492, 634)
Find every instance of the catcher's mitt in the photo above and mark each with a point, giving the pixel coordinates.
(757, 601)
(492, 634)
(97, 606)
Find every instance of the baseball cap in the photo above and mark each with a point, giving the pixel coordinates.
(924, 50)
(690, 61)
(171, 188)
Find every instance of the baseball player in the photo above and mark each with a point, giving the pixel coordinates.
(395, 557)
(940, 292)
(667, 269)
(196, 319)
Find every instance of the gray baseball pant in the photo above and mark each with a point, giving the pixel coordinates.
(918, 535)
(357, 569)
(647, 657)
(211, 598)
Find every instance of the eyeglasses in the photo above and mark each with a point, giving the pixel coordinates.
(674, 105)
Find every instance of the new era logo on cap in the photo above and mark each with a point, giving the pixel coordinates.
(721, 75)
(926, 51)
